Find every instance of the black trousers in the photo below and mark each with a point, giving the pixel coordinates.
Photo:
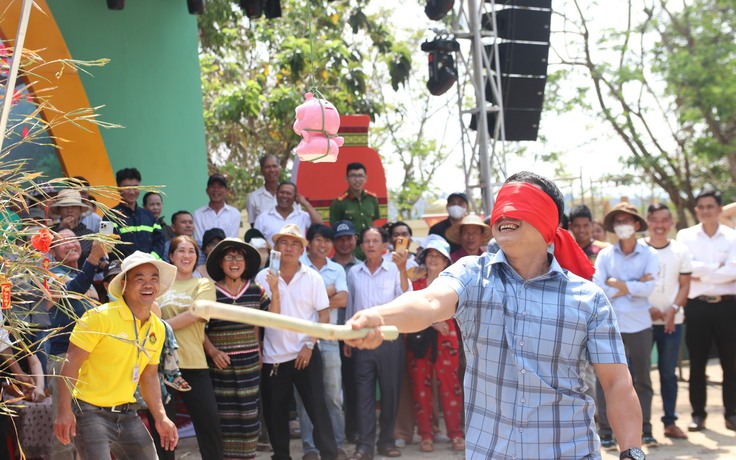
(202, 407)
(705, 323)
(277, 386)
(349, 396)
(385, 365)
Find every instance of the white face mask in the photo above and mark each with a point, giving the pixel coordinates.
(624, 231)
(456, 212)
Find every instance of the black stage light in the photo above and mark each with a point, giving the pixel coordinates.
(442, 72)
(438, 9)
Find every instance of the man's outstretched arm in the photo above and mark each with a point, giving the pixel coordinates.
(410, 312)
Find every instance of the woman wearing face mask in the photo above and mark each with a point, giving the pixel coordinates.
(189, 331)
(457, 208)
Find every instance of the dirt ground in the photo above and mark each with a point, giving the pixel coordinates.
(715, 442)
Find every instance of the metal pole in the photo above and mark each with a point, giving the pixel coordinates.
(20, 37)
(482, 139)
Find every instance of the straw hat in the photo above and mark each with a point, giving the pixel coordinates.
(625, 208)
(166, 273)
(453, 233)
(214, 260)
(291, 230)
(68, 198)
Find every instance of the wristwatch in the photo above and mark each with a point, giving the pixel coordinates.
(634, 453)
(675, 307)
(309, 345)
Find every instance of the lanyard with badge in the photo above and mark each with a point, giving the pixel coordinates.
(136, 368)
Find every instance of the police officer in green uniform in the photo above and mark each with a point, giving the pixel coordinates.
(357, 205)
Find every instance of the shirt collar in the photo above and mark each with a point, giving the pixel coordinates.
(500, 258)
(719, 230)
(329, 264)
(125, 312)
(637, 249)
(351, 196)
(384, 265)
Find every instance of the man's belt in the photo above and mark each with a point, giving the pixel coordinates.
(715, 298)
(117, 409)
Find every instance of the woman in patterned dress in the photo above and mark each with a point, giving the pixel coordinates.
(436, 349)
(234, 349)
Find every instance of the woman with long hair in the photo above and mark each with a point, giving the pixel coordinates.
(234, 349)
(189, 332)
(436, 349)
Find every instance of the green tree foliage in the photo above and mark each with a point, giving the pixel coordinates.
(255, 73)
(415, 150)
(666, 85)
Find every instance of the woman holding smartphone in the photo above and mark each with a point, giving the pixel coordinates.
(235, 348)
(189, 332)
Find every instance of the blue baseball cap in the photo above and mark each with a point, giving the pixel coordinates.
(343, 227)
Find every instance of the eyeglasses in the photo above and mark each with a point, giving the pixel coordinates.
(357, 176)
(234, 258)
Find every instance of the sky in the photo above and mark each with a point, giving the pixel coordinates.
(591, 149)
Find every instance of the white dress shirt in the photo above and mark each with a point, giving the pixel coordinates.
(259, 201)
(302, 297)
(205, 218)
(270, 222)
(714, 260)
(366, 289)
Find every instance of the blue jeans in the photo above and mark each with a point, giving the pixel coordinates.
(332, 378)
(100, 431)
(668, 347)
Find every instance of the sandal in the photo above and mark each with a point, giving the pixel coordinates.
(426, 445)
(458, 444)
(177, 382)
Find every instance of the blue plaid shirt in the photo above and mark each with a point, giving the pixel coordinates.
(528, 344)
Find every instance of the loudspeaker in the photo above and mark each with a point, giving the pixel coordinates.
(521, 58)
(519, 92)
(519, 124)
(547, 4)
(520, 24)
(272, 9)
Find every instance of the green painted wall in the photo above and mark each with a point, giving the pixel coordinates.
(151, 87)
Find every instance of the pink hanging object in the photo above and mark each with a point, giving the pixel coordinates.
(318, 122)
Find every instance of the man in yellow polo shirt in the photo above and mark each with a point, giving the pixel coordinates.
(112, 349)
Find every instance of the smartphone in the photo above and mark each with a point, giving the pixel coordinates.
(274, 262)
(106, 227)
(402, 244)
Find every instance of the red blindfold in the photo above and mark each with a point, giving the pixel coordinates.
(523, 201)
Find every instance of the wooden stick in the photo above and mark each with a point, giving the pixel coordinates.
(207, 309)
